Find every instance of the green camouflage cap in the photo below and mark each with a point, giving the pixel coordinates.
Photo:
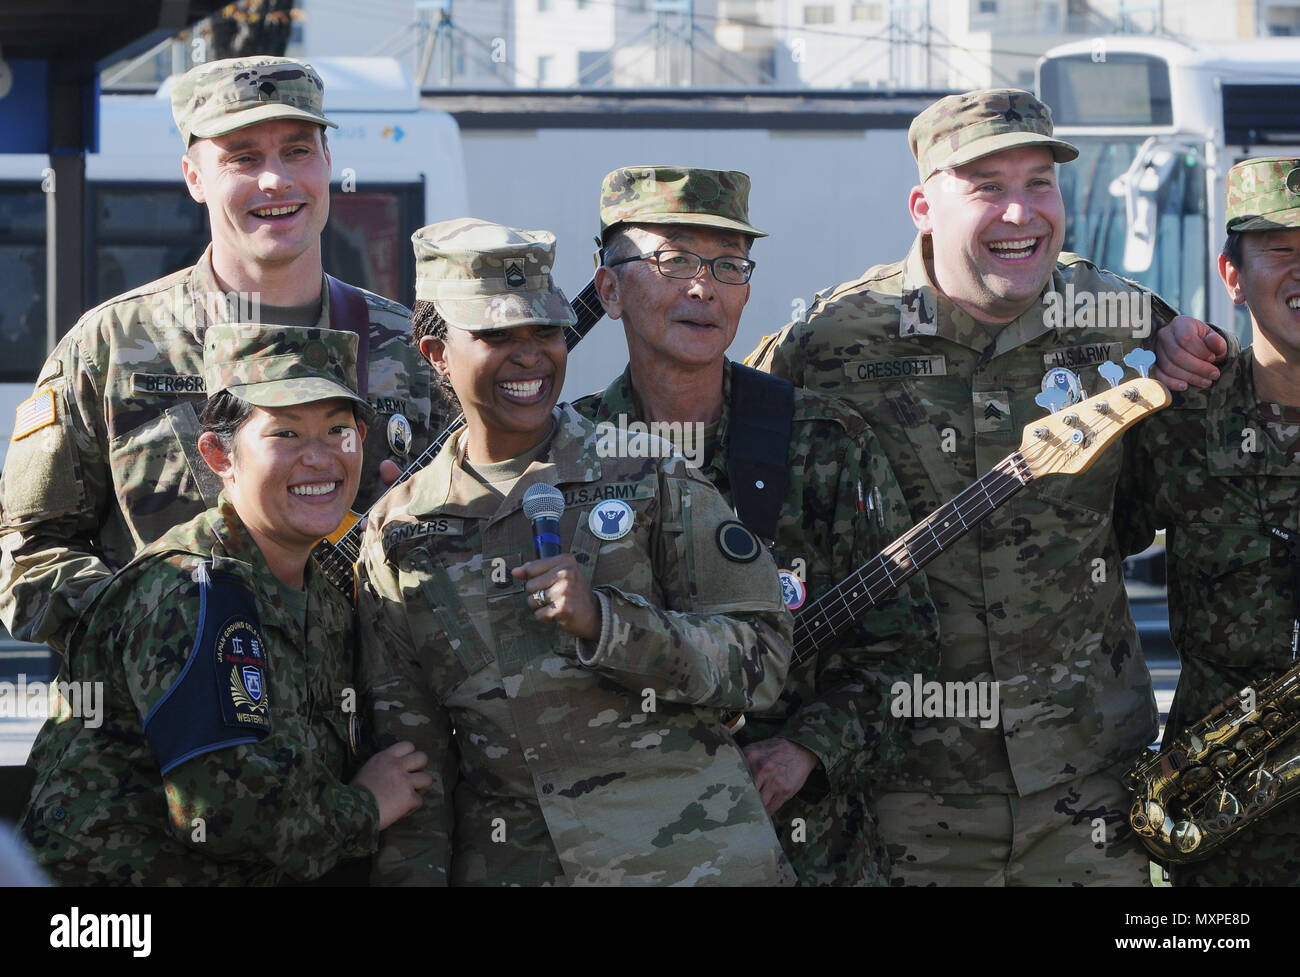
(482, 276)
(1263, 194)
(221, 96)
(279, 366)
(676, 195)
(960, 128)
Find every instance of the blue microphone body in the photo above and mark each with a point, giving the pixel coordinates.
(543, 505)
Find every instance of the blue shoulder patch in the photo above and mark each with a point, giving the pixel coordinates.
(221, 698)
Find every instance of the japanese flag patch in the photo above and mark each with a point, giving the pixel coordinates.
(34, 413)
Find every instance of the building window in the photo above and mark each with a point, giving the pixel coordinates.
(543, 6)
(584, 4)
(819, 13)
(545, 69)
(866, 11)
(988, 6)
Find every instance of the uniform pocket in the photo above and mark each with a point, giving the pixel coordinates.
(1224, 574)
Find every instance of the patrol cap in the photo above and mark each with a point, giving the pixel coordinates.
(280, 366)
(221, 96)
(960, 128)
(1263, 194)
(676, 195)
(482, 276)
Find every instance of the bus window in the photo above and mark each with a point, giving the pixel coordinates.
(22, 269)
(367, 241)
(140, 232)
(1097, 222)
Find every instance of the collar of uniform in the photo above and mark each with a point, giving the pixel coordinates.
(620, 398)
(925, 312)
(236, 552)
(212, 304)
(571, 457)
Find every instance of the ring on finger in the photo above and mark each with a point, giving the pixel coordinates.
(540, 598)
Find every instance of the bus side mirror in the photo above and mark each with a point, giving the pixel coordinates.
(1140, 186)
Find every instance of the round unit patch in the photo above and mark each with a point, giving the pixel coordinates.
(737, 543)
(1065, 381)
(793, 591)
(610, 520)
(241, 673)
(399, 434)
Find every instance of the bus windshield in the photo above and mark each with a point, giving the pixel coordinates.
(1171, 203)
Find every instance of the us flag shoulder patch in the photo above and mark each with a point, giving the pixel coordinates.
(34, 413)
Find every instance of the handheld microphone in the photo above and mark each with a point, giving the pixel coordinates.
(543, 505)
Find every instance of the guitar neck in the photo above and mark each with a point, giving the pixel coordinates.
(336, 560)
(820, 621)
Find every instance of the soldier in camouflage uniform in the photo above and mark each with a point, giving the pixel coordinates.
(579, 699)
(943, 353)
(228, 729)
(1220, 471)
(815, 750)
(103, 459)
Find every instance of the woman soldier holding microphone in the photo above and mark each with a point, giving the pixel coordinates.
(579, 699)
(229, 728)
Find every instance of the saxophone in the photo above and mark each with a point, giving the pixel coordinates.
(1238, 764)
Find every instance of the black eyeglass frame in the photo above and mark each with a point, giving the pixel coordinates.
(748, 263)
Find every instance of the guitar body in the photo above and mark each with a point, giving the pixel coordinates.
(349, 520)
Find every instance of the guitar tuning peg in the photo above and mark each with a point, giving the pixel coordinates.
(1141, 360)
(1111, 372)
(1051, 400)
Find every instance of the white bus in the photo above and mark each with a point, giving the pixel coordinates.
(1158, 124)
(396, 166)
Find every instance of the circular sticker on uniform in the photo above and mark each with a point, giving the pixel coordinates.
(399, 434)
(1065, 382)
(793, 591)
(1293, 180)
(610, 520)
(354, 732)
(737, 543)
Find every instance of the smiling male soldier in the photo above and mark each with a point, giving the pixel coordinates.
(801, 469)
(104, 456)
(944, 353)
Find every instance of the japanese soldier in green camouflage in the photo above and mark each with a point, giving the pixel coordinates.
(1219, 471)
(676, 270)
(944, 354)
(225, 748)
(579, 699)
(104, 457)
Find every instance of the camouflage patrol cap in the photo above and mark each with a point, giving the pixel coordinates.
(676, 195)
(960, 128)
(221, 96)
(279, 366)
(482, 276)
(1263, 194)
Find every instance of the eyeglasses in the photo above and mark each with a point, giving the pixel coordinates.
(729, 269)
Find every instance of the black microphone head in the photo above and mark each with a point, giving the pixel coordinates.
(543, 501)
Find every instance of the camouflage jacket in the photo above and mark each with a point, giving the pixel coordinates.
(567, 760)
(842, 507)
(119, 464)
(1202, 469)
(258, 813)
(1034, 598)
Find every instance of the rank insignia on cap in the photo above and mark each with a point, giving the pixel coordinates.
(399, 434)
(610, 520)
(515, 277)
(737, 543)
(34, 413)
(793, 592)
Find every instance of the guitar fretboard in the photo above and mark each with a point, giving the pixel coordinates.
(337, 560)
(818, 622)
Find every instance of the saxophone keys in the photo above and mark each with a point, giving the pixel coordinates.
(1186, 836)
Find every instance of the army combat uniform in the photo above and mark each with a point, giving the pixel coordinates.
(116, 462)
(1210, 469)
(842, 507)
(1219, 470)
(1034, 597)
(585, 762)
(228, 720)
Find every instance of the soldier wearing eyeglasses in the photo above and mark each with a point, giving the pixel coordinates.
(675, 271)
